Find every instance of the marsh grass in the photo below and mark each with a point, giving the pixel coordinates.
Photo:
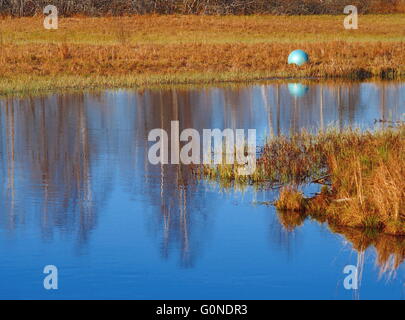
(28, 84)
(291, 199)
(390, 249)
(142, 50)
(362, 173)
(123, 34)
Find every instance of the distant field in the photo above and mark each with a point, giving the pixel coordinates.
(144, 50)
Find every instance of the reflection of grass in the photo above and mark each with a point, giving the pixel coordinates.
(363, 176)
(291, 219)
(390, 249)
(134, 51)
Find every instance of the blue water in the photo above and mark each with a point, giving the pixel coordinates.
(78, 192)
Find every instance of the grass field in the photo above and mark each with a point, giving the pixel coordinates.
(155, 50)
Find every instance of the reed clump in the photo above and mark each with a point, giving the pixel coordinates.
(362, 173)
(291, 199)
(367, 175)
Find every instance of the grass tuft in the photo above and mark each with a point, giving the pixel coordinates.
(291, 199)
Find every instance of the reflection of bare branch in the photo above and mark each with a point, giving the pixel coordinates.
(10, 136)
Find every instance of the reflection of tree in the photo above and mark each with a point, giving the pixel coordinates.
(10, 147)
(48, 147)
(178, 208)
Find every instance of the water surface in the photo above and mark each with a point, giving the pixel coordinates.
(77, 191)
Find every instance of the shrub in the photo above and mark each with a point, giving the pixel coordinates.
(124, 7)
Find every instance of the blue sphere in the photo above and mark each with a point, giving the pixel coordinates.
(297, 89)
(298, 57)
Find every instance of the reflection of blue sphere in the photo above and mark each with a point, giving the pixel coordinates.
(297, 89)
(298, 57)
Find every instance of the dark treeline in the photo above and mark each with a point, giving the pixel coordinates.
(125, 7)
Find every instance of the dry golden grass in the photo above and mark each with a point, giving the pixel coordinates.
(191, 49)
(363, 175)
(369, 171)
(367, 176)
(351, 60)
